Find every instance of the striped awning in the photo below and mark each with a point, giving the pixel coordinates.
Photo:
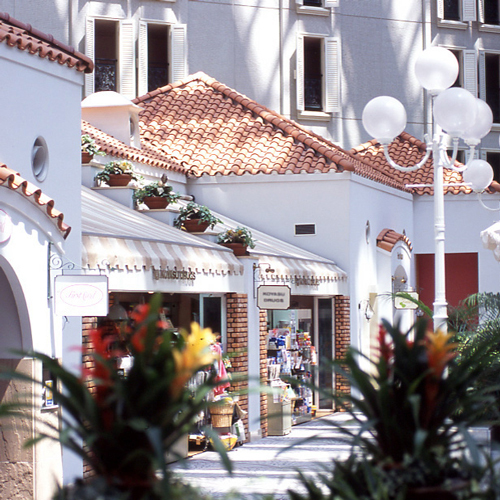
(299, 271)
(101, 252)
(114, 237)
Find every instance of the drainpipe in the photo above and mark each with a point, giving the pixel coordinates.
(281, 62)
(426, 42)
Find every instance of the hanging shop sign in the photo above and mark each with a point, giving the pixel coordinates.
(77, 295)
(406, 303)
(273, 297)
(165, 274)
(5, 226)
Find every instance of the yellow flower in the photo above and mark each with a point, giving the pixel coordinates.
(195, 355)
(439, 351)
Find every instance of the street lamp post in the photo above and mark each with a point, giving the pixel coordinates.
(460, 115)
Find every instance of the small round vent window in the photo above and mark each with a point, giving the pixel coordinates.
(40, 159)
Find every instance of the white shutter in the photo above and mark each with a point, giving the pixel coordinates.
(482, 75)
(299, 3)
(470, 71)
(332, 75)
(178, 55)
(299, 80)
(468, 10)
(331, 3)
(481, 11)
(89, 51)
(440, 9)
(142, 77)
(127, 60)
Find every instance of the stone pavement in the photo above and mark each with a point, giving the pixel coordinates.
(268, 466)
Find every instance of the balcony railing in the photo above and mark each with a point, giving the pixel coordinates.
(105, 74)
(313, 98)
(157, 77)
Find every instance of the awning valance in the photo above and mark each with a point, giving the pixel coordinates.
(299, 271)
(102, 252)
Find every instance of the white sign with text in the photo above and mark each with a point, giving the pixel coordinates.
(273, 297)
(81, 295)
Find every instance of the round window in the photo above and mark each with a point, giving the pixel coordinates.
(40, 159)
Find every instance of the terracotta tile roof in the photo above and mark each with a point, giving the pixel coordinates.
(23, 36)
(216, 130)
(388, 238)
(119, 149)
(405, 150)
(14, 181)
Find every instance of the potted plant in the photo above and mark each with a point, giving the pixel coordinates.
(414, 406)
(238, 240)
(156, 195)
(195, 218)
(117, 173)
(89, 149)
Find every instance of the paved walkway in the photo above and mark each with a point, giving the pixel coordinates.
(268, 466)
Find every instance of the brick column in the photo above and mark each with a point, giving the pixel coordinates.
(342, 339)
(263, 370)
(237, 346)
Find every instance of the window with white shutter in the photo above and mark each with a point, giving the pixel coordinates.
(315, 7)
(317, 76)
(127, 60)
(178, 52)
(456, 11)
(489, 81)
(154, 60)
(489, 12)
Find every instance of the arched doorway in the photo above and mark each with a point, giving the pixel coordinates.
(16, 462)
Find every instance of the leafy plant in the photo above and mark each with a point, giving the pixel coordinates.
(158, 188)
(124, 424)
(89, 146)
(413, 407)
(238, 235)
(194, 211)
(116, 168)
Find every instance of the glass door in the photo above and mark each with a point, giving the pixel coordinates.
(324, 340)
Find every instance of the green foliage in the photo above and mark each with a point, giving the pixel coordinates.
(194, 211)
(477, 323)
(413, 406)
(119, 427)
(89, 146)
(157, 188)
(238, 235)
(117, 167)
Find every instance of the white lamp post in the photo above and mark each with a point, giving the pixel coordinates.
(458, 113)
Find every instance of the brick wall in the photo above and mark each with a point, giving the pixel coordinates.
(263, 370)
(342, 338)
(237, 346)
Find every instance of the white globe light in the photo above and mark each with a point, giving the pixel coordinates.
(479, 174)
(454, 110)
(481, 126)
(436, 69)
(384, 118)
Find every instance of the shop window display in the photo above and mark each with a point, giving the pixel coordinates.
(290, 352)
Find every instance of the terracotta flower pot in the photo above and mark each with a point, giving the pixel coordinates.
(86, 157)
(238, 248)
(119, 179)
(195, 226)
(156, 202)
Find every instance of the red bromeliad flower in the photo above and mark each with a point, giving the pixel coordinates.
(385, 349)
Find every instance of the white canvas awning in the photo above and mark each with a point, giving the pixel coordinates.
(118, 238)
(491, 239)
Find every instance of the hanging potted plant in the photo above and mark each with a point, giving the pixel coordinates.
(89, 149)
(117, 173)
(238, 240)
(156, 195)
(195, 218)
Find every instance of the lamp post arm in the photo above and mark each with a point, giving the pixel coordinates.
(393, 164)
(480, 198)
